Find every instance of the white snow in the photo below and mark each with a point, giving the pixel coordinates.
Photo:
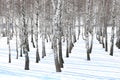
(101, 67)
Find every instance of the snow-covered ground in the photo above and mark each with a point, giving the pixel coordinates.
(76, 67)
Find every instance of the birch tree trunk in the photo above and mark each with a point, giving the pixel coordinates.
(113, 28)
(36, 39)
(67, 52)
(9, 51)
(56, 32)
(118, 35)
(60, 42)
(25, 37)
(87, 25)
(8, 42)
(32, 33)
(43, 46)
(44, 36)
(36, 30)
(105, 26)
(16, 40)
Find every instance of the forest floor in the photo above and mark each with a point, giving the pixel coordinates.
(101, 67)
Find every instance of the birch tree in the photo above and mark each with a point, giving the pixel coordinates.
(117, 43)
(113, 27)
(56, 31)
(25, 36)
(36, 31)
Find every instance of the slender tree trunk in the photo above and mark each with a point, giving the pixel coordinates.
(25, 43)
(8, 39)
(70, 44)
(36, 39)
(37, 55)
(21, 51)
(52, 45)
(74, 37)
(88, 55)
(43, 46)
(91, 44)
(118, 36)
(44, 36)
(87, 28)
(111, 48)
(105, 25)
(60, 53)
(87, 46)
(113, 28)
(26, 60)
(106, 40)
(112, 41)
(16, 42)
(79, 27)
(9, 51)
(60, 43)
(102, 42)
(74, 32)
(67, 53)
(32, 40)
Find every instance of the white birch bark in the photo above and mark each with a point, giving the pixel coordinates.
(56, 33)
(113, 28)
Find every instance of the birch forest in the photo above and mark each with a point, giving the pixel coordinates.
(58, 22)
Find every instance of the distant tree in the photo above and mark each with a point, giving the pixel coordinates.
(117, 24)
(36, 31)
(113, 27)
